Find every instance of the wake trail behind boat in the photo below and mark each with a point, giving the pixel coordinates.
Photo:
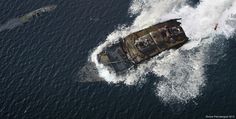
(13, 23)
(182, 69)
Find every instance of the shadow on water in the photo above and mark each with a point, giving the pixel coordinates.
(88, 73)
(132, 101)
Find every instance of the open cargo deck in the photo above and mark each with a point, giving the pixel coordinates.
(143, 45)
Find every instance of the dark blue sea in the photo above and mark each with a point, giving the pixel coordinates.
(40, 60)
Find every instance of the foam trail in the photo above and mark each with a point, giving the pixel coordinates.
(137, 25)
(183, 69)
(11, 24)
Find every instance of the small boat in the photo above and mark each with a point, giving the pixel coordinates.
(36, 13)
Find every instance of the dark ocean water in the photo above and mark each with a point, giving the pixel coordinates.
(40, 61)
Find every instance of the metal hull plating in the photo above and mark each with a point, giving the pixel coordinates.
(143, 45)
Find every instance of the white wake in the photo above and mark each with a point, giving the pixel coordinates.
(183, 69)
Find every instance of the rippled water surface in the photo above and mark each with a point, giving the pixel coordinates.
(40, 61)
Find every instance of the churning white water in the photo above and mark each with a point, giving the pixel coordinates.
(182, 69)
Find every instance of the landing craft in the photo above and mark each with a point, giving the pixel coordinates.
(142, 45)
(27, 17)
